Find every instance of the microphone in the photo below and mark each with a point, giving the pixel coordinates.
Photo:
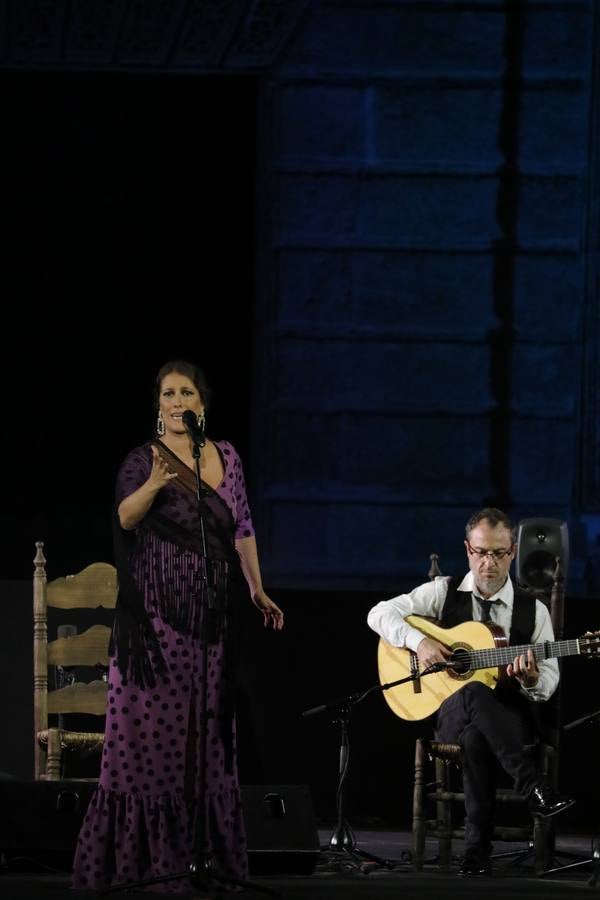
(589, 718)
(438, 667)
(315, 710)
(195, 431)
(333, 705)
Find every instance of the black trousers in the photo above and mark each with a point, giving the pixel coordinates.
(489, 725)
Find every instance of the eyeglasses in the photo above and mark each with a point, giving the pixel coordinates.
(495, 554)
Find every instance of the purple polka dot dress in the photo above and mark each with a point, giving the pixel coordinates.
(141, 820)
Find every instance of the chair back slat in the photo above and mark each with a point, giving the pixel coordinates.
(87, 649)
(94, 586)
(79, 698)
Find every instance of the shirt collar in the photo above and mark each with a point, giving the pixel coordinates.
(506, 593)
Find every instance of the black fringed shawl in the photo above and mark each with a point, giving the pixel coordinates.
(174, 517)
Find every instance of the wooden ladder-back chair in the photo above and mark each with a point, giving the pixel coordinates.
(438, 784)
(93, 587)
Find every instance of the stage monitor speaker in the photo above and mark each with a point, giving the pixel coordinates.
(539, 542)
(281, 828)
(41, 819)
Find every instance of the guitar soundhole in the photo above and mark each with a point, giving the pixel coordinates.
(461, 662)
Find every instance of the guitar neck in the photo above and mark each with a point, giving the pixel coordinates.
(502, 656)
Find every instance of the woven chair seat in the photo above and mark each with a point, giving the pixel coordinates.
(444, 751)
(81, 741)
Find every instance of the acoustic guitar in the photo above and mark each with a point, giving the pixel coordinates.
(480, 652)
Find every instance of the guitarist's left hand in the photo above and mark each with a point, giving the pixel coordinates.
(524, 669)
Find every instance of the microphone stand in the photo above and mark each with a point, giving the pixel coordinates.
(343, 840)
(201, 873)
(594, 859)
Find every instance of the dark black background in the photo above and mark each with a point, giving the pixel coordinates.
(129, 202)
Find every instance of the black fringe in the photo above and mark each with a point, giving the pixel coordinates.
(133, 641)
(136, 649)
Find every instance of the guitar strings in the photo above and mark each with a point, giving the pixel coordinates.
(501, 656)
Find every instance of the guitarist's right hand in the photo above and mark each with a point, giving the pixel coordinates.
(431, 651)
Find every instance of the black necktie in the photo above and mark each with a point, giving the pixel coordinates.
(486, 606)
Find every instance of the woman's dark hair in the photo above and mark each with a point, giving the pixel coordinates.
(191, 371)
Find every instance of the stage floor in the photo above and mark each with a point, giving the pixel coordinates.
(335, 878)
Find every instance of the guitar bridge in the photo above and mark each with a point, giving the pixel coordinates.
(414, 671)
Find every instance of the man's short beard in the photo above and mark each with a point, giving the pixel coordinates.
(494, 584)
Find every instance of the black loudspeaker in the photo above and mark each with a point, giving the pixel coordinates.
(41, 819)
(281, 828)
(539, 542)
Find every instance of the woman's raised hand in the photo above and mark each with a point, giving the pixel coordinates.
(160, 474)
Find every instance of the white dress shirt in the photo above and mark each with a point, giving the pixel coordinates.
(387, 618)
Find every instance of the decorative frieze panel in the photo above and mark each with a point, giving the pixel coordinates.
(414, 39)
(157, 34)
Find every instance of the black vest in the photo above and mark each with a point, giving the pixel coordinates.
(458, 608)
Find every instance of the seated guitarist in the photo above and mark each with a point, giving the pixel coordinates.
(486, 723)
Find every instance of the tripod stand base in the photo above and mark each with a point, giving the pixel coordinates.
(355, 858)
(343, 852)
(209, 880)
(593, 861)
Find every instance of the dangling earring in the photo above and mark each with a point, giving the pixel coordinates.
(201, 421)
(160, 426)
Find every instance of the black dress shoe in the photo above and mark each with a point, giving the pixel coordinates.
(475, 864)
(544, 801)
